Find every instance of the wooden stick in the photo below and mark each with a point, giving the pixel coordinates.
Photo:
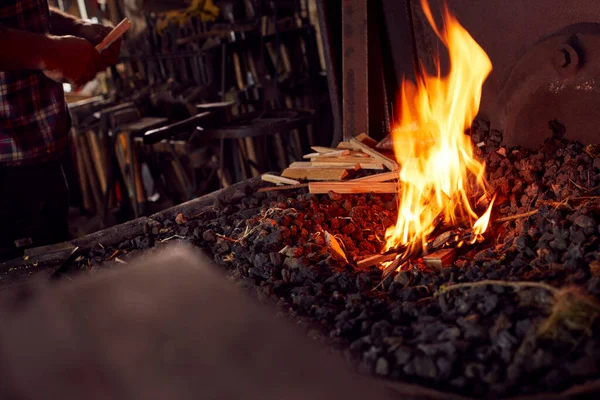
(348, 165)
(321, 149)
(383, 177)
(388, 162)
(513, 217)
(86, 196)
(344, 146)
(91, 175)
(345, 159)
(114, 35)
(279, 180)
(281, 188)
(394, 265)
(366, 140)
(440, 258)
(375, 260)
(97, 158)
(352, 187)
(331, 154)
(315, 174)
(310, 165)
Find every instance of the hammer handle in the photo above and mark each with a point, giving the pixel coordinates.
(114, 35)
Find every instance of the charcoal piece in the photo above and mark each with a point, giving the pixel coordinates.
(501, 323)
(183, 231)
(443, 304)
(425, 366)
(495, 136)
(387, 282)
(409, 369)
(474, 370)
(584, 221)
(523, 242)
(488, 304)
(447, 348)
(209, 236)
(492, 375)
(142, 242)
(382, 367)
(593, 285)
(262, 272)
(459, 382)
(261, 259)
(539, 359)
(403, 355)
(463, 306)
(363, 282)
(276, 259)
(305, 302)
(577, 236)
(403, 278)
(596, 163)
(554, 380)
(473, 331)
(559, 244)
(308, 272)
(449, 334)
(445, 368)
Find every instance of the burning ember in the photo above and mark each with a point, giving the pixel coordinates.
(439, 174)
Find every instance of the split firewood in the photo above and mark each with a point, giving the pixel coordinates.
(352, 187)
(348, 165)
(362, 138)
(318, 164)
(383, 177)
(310, 165)
(312, 155)
(334, 245)
(376, 259)
(180, 219)
(316, 174)
(388, 162)
(331, 154)
(281, 188)
(440, 258)
(322, 149)
(366, 139)
(392, 266)
(278, 180)
(345, 159)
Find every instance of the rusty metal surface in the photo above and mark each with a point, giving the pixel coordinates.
(170, 327)
(555, 87)
(327, 25)
(355, 57)
(508, 30)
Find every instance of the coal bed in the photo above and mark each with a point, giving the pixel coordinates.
(513, 315)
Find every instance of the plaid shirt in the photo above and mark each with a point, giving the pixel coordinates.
(34, 119)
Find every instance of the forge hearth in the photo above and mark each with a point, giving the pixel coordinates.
(513, 315)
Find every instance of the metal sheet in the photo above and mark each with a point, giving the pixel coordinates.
(507, 30)
(355, 86)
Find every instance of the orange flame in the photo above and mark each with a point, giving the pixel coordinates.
(435, 155)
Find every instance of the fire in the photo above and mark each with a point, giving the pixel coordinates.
(438, 173)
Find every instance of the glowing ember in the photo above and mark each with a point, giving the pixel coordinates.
(438, 172)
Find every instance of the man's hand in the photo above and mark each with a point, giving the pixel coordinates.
(72, 59)
(95, 33)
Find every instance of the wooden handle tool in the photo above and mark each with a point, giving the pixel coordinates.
(114, 35)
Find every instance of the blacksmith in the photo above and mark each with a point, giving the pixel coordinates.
(35, 41)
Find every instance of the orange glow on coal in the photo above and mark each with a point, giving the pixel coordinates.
(439, 174)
